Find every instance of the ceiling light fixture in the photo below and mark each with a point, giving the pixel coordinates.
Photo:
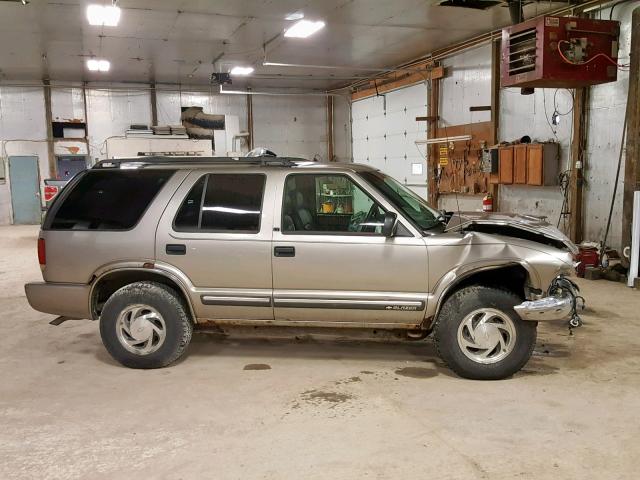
(241, 70)
(295, 16)
(104, 15)
(303, 29)
(253, 92)
(95, 65)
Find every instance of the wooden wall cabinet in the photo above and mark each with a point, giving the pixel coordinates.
(520, 163)
(543, 161)
(505, 167)
(529, 164)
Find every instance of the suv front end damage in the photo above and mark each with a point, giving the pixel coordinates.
(562, 299)
(561, 303)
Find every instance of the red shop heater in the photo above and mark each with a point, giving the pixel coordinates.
(560, 52)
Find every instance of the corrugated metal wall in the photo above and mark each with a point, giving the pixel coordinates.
(531, 115)
(289, 125)
(342, 148)
(22, 132)
(467, 84)
(606, 117)
(169, 104)
(111, 112)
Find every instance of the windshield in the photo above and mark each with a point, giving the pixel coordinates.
(404, 200)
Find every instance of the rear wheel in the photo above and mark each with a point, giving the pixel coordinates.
(480, 336)
(145, 325)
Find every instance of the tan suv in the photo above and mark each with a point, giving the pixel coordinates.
(154, 248)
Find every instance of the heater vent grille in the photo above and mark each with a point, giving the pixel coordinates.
(522, 51)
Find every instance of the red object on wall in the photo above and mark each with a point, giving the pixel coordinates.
(49, 192)
(487, 203)
(561, 52)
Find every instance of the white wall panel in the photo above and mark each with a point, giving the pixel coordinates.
(531, 115)
(22, 117)
(467, 84)
(291, 125)
(111, 112)
(342, 129)
(170, 103)
(606, 116)
(67, 103)
(22, 113)
(384, 132)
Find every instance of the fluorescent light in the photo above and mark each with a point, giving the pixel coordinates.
(241, 70)
(294, 16)
(96, 65)
(107, 15)
(303, 29)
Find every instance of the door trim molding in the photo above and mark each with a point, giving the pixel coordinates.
(236, 301)
(351, 304)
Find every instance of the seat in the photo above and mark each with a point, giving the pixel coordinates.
(302, 218)
(296, 216)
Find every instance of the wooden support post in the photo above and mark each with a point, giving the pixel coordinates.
(49, 124)
(154, 105)
(577, 159)
(632, 155)
(494, 189)
(329, 128)
(432, 154)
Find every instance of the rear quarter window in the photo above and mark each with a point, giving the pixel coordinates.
(108, 200)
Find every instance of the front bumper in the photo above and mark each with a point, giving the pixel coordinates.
(64, 299)
(547, 308)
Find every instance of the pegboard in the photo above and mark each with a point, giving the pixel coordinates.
(460, 168)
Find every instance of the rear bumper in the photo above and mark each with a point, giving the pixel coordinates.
(65, 299)
(547, 308)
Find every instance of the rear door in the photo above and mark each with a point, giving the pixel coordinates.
(217, 231)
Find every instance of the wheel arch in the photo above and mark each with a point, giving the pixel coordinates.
(513, 277)
(106, 284)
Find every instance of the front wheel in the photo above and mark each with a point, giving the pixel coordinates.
(480, 336)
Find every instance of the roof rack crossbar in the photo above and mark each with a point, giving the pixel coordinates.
(266, 160)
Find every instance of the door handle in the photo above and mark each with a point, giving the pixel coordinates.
(176, 249)
(284, 251)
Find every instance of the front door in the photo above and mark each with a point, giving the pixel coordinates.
(217, 232)
(25, 190)
(332, 265)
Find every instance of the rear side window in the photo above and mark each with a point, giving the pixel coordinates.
(223, 202)
(109, 200)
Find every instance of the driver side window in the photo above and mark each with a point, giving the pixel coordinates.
(316, 203)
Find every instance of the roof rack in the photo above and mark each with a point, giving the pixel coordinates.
(266, 160)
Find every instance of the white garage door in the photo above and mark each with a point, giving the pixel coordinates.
(384, 130)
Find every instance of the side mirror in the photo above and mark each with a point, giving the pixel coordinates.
(389, 225)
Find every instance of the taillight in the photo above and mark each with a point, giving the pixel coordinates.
(42, 252)
(50, 191)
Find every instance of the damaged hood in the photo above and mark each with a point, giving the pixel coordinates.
(528, 227)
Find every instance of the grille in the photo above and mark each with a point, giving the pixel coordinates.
(522, 51)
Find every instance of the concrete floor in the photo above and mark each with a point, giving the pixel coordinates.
(324, 409)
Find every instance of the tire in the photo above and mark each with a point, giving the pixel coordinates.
(459, 330)
(145, 325)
